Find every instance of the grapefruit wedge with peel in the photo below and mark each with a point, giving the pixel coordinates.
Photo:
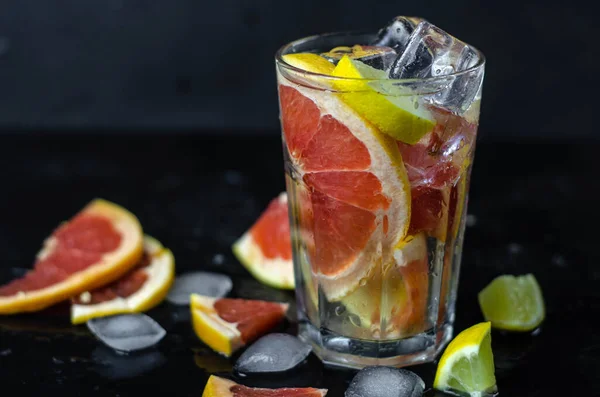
(142, 288)
(358, 194)
(97, 246)
(265, 250)
(226, 325)
(221, 387)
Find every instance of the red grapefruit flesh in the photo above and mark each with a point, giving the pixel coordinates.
(228, 324)
(142, 288)
(121, 288)
(347, 199)
(220, 387)
(97, 246)
(253, 318)
(434, 165)
(266, 250)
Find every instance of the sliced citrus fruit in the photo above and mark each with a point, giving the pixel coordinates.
(513, 303)
(265, 250)
(358, 204)
(226, 324)
(99, 245)
(393, 303)
(142, 288)
(221, 387)
(310, 62)
(395, 114)
(467, 365)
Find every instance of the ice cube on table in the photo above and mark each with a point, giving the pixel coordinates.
(127, 332)
(379, 57)
(203, 283)
(397, 33)
(273, 353)
(378, 381)
(431, 52)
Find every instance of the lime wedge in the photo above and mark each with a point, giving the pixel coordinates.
(396, 114)
(467, 365)
(513, 303)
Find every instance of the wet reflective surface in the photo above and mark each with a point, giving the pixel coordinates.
(533, 209)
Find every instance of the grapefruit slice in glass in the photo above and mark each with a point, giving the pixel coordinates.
(221, 387)
(144, 287)
(393, 303)
(265, 250)
(358, 195)
(97, 246)
(226, 325)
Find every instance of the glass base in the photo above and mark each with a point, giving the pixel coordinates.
(340, 351)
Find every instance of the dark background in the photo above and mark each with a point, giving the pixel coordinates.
(137, 101)
(190, 65)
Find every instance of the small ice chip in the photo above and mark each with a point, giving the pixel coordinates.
(471, 220)
(218, 259)
(273, 353)
(379, 381)
(515, 248)
(203, 283)
(127, 332)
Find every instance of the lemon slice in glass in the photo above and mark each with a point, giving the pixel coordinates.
(513, 303)
(393, 111)
(467, 365)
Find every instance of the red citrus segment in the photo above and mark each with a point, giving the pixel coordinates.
(271, 232)
(410, 319)
(343, 193)
(341, 231)
(121, 288)
(244, 391)
(300, 119)
(88, 233)
(333, 147)
(427, 209)
(253, 318)
(78, 244)
(342, 185)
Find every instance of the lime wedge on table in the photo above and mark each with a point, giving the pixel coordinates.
(467, 365)
(396, 114)
(513, 303)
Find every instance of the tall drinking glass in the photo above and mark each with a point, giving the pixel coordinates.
(377, 175)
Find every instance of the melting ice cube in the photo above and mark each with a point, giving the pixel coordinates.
(273, 353)
(203, 283)
(127, 332)
(379, 381)
(431, 52)
(397, 33)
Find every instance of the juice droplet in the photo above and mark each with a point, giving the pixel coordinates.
(363, 282)
(340, 310)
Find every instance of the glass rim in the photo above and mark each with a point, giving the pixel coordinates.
(282, 51)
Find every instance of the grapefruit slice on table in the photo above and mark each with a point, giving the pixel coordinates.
(358, 192)
(221, 387)
(226, 325)
(265, 250)
(99, 245)
(144, 287)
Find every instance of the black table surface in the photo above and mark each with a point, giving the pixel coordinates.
(533, 208)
